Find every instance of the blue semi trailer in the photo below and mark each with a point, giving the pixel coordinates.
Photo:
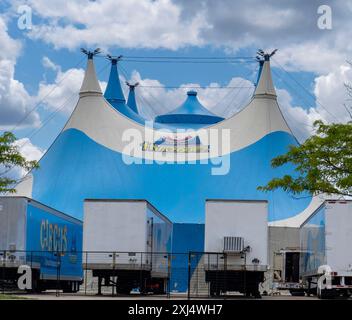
(46, 240)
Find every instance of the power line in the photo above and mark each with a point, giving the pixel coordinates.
(192, 57)
(194, 87)
(55, 112)
(184, 58)
(185, 61)
(225, 111)
(302, 98)
(307, 91)
(125, 73)
(37, 105)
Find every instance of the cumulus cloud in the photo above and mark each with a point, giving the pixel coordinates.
(61, 94)
(154, 98)
(290, 26)
(132, 23)
(331, 93)
(28, 150)
(300, 120)
(15, 101)
(233, 25)
(331, 96)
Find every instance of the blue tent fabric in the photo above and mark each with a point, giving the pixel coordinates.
(131, 102)
(113, 90)
(191, 111)
(114, 95)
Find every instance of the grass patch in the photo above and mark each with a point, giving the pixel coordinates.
(11, 297)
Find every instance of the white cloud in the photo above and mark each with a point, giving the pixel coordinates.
(232, 25)
(47, 63)
(132, 23)
(28, 149)
(15, 102)
(299, 120)
(30, 152)
(154, 98)
(62, 93)
(176, 24)
(318, 57)
(332, 95)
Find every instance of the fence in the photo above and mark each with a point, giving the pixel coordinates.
(126, 273)
(223, 275)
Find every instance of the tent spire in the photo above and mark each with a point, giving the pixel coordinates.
(90, 84)
(265, 86)
(131, 102)
(114, 95)
(113, 92)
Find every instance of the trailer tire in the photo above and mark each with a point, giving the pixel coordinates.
(295, 293)
(324, 294)
(346, 294)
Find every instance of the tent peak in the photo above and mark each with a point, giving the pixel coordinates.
(114, 59)
(90, 84)
(265, 87)
(113, 91)
(192, 93)
(131, 102)
(132, 86)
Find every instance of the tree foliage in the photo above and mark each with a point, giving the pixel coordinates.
(323, 162)
(10, 157)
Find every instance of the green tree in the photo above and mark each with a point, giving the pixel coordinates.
(323, 162)
(11, 157)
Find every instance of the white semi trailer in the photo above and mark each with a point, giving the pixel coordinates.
(236, 245)
(326, 256)
(127, 244)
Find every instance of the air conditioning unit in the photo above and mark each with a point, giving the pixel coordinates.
(233, 244)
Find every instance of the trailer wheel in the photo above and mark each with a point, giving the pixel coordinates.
(123, 289)
(297, 293)
(37, 285)
(214, 290)
(346, 294)
(70, 287)
(325, 294)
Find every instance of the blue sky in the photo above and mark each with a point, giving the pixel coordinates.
(33, 62)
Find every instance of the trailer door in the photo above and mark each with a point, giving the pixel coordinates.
(292, 267)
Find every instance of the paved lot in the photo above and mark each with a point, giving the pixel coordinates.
(61, 296)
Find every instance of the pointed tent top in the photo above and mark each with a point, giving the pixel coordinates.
(90, 84)
(265, 86)
(113, 92)
(131, 102)
(114, 95)
(261, 62)
(191, 111)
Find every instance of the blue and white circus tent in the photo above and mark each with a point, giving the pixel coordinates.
(88, 158)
